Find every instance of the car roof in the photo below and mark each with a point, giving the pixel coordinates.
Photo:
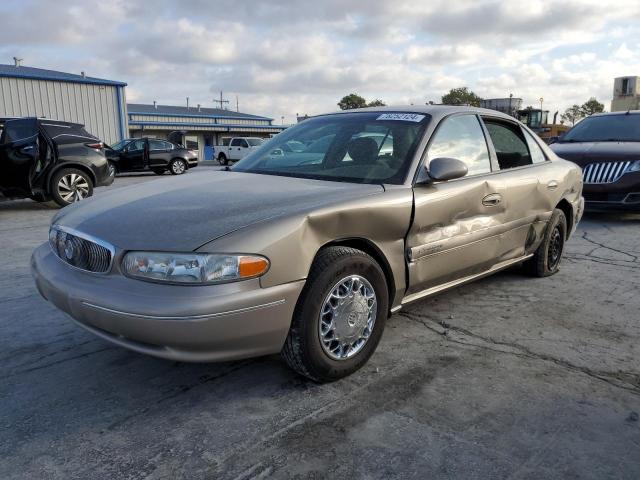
(435, 111)
(45, 120)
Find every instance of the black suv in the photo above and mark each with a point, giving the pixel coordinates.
(607, 147)
(50, 160)
(140, 154)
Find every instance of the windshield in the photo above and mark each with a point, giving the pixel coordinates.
(254, 142)
(606, 128)
(352, 147)
(120, 145)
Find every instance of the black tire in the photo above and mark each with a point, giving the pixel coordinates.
(303, 350)
(113, 169)
(177, 166)
(222, 159)
(159, 171)
(79, 184)
(546, 259)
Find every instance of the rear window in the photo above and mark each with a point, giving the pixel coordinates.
(62, 133)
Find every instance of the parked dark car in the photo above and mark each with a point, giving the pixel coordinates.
(140, 154)
(50, 160)
(607, 147)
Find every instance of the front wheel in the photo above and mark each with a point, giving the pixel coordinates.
(340, 315)
(177, 166)
(546, 259)
(70, 185)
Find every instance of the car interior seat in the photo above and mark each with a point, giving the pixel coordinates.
(363, 151)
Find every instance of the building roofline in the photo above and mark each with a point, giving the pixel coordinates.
(199, 115)
(32, 73)
(219, 125)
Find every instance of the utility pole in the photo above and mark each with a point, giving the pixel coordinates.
(221, 102)
(237, 104)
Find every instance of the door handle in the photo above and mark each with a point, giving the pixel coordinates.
(552, 185)
(28, 148)
(492, 200)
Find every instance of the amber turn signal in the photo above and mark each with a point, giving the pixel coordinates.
(252, 266)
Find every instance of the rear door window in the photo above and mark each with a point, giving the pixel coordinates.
(16, 130)
(157, 145)
(509, 142)
(537, 155)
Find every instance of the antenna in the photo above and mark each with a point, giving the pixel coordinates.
(221, 102)
(17, 61)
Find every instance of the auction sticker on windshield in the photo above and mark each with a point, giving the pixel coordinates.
(407, 117)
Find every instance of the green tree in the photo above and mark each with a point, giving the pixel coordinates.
(592, 106)
(572, 114)
(353, 100)
(376, 103)
(461, 96)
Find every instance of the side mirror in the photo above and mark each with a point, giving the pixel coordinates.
(443, 169)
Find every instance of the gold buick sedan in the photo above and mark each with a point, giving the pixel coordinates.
(308, 244)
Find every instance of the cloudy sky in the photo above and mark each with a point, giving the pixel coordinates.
(282, 57)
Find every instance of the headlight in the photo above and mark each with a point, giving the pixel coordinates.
(193, 268)
(634, 167)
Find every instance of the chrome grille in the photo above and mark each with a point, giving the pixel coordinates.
(606, 172)
(80, 250)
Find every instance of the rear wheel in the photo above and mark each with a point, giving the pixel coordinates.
(70, 185)
(339, 317)
(222, 159)
(177, 166)
(546, 260)
(112, 169)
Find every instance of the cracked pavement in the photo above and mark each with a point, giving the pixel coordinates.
(508, 377)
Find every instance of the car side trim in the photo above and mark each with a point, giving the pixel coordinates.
(186, 317)
(460, 281)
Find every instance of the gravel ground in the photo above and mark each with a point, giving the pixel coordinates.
(509, 377)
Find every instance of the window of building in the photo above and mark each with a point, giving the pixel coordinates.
(625, 87)
(191, 142)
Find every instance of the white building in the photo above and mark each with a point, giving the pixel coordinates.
(626, 94)
(202, 128)
(98, 104)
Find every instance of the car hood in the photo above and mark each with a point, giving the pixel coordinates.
(183, 213)
(583, 153)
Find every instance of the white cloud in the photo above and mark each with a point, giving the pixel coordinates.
(284, 57)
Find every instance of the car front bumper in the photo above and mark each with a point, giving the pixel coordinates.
(177, 322)
(623, 194)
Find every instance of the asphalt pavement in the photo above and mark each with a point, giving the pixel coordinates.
(509, 377)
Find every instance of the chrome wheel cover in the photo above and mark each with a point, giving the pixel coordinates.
(347, 317)
(73, 187)
(178, 167)
(112, 169)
